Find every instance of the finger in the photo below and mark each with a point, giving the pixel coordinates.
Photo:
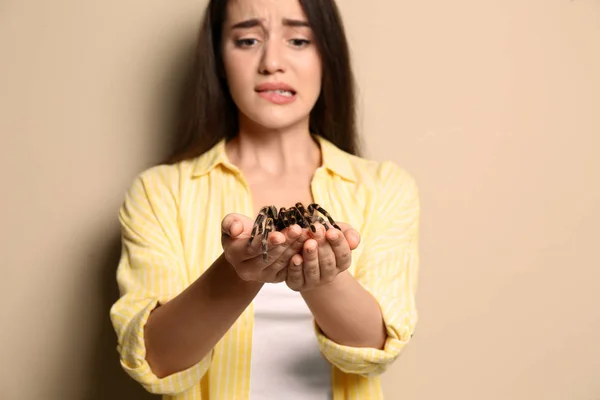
(353, 238)
(254, 264)
(295, 277)
(292, 233)
(341, 251)
(273, 247)
(239, 246)
(326, 256)
(310, 257)
(254, 241)
(319, 232)
(282, 275)
(295, 240)
(231, 227)
(351, 234)
(232, 224)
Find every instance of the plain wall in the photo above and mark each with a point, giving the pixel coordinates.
(494, 106)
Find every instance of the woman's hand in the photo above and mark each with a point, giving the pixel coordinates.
(324, 255)
(247, 260)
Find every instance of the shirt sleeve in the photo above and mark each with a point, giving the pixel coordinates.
(388, 269)
(151, 271)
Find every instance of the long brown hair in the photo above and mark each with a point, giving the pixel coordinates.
(209, 113)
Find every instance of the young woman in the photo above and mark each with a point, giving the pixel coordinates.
(203, 314)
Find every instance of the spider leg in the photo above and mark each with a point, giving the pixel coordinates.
(258, 226)
(314, 206)
(282, 220)
(300, 207)
(270, 226)
(323, 222)
(287, 218)
(312, 218)
(305, 217)
(273, 212)
(295, 217)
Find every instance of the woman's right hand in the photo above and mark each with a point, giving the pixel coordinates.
(248, 260)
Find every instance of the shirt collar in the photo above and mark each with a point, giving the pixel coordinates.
(336, 160)
(210, 159)
(333, 158)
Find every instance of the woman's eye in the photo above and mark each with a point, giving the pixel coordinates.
(245, 42)
(299, 42)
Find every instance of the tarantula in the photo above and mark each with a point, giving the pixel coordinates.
(269, 219)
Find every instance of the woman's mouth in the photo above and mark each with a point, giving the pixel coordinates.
(276, 92)
(287, 93)
(280, 97)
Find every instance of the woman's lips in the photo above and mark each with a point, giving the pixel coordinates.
(276, 92)
(278, 96)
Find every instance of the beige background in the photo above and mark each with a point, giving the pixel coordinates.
(494, 106)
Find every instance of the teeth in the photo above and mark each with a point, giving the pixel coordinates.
(281, 92)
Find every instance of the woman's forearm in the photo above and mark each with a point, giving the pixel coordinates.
(181, 332)
(347, 313)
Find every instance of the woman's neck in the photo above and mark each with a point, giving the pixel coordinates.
(274, 152)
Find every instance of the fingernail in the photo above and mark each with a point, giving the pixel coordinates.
(334, 235)
(297, 262)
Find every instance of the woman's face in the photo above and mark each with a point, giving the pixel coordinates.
(272, 66)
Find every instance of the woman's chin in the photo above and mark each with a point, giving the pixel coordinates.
(279, 121)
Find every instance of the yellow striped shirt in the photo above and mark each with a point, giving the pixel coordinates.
(171, 232)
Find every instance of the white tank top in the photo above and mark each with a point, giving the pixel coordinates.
(286, 361)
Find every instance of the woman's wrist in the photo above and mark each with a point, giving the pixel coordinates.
(346, 312)
(230, 275)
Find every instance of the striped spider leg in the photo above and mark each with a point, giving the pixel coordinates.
(310, 216)
(265, 222)
(314, 207)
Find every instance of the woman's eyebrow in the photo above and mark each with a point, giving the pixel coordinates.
(254, 22)
(295, 23)
(250, 23)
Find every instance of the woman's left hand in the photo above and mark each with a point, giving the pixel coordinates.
(325, 254)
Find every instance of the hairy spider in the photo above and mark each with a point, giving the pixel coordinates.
(269, 220)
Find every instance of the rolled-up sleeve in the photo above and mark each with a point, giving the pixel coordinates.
(151, 271)
(388, 269)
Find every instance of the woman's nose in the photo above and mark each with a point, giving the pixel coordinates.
(272, 58)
